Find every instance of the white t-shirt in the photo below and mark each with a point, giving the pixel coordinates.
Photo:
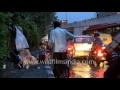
(58, 38)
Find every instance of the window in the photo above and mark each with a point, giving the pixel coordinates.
(83, 39)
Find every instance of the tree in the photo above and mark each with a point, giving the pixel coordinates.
(4, 19)
(34, 24)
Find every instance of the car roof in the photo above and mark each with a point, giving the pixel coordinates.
(82, 36)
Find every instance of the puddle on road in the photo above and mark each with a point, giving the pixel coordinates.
(87, 71)
(81, 71)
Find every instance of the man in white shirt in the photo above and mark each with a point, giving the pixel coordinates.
(59, 44)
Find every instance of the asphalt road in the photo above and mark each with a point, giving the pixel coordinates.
(87, 70)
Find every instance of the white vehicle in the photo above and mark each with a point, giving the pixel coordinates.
(82, 45)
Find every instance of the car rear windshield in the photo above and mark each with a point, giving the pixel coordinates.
(83, 39)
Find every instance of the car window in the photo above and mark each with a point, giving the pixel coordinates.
(82, 39)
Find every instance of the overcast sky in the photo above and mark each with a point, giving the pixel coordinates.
(75, 16)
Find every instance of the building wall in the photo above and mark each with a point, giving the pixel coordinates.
(77, 31)
(63, 22)
(83, 25)
(102, 14)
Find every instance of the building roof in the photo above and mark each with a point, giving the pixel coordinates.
(102, 26)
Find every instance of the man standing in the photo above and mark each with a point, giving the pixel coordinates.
(59, 45)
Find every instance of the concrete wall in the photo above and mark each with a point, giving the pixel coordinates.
(82, 25)
(94, 21)
(79, 31)
(102, 14)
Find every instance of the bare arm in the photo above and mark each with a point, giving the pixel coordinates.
(69, 34)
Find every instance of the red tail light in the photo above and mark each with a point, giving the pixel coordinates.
(99, 52)
(95, 52)
(69, 49)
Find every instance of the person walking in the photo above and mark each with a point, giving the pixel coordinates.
(58, 42)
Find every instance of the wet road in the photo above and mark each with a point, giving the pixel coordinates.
(86, 70)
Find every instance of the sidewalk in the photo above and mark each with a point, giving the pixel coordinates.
(44, 71)
(36, 71)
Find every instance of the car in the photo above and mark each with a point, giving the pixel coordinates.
(82, 46)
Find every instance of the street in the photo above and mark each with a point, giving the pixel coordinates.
(36, 71)
(82, 70)
(79, 69)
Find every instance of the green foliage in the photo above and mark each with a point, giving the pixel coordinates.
(31, 33)
(4, 20)
(34, 24)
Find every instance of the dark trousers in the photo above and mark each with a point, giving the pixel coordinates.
(59, 68)
(41, 58)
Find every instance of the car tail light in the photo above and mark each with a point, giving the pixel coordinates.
(95, 52)
(69, 49)
(99, 51)
(100, 54)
